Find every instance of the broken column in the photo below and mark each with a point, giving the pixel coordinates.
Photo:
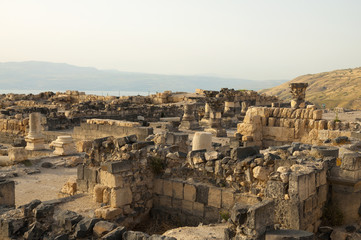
(298, 91)
(64, 145)
(215, 103)
(188, 121)
(229, 116)
(205, 120)
(34, 140)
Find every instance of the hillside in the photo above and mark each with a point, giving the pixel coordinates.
(339, 88)
(33, 75)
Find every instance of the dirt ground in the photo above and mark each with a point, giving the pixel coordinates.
(212, 231)
(35, 182)
(345, 116)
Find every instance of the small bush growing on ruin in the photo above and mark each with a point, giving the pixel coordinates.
(224, 215)
(332, 215)
(336, 118)
(157, 165)
(27, 163)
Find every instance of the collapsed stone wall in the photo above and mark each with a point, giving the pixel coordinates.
(99, 128)
(288, 175)
(119, 176)
(277, 126)
(13, 129)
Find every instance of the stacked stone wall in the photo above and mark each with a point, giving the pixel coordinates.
(193, 203)
(276, 126)
(99, 128)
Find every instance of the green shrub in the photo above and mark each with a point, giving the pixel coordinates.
(224, 215)
(157, 165)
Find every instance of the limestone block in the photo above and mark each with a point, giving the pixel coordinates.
(264, 121)
(316, 124)
(260, 173)
(339, 234)
(7, 193)
(311, 183)
(275, 189)
(165, 201)
(317, 115)
(70, 187)
(84, 145)
(189, 192)
(211, 155)
(331, 125)
(214, 197)
(106, 195)
(322, 192)
(177, 204)
(311, 113)
(322, 124)
(289, 234)
(271, 122)
(290, 112)
(187, 206)
(111, 180)
(211, 214)
(202, 140)
(98, 193)
(227, 199)
(167, 188)
(308, 205)
(198, 209)
(298, 186)
(177, 190)
(323, 177)
(276, 112)
(120, 197)
(108, 213)
(17, 154)
(82, 185)
(260, 216)
(158, 186)
(351, 161)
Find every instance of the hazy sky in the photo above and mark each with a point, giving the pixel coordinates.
(251, 39)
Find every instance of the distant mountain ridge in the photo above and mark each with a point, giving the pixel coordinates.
(339, 88)
(62, 76)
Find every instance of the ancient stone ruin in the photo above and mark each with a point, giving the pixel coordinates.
(246, 166)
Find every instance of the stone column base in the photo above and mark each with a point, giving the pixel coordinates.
(34, 144)
(66, 149)
(189, 125)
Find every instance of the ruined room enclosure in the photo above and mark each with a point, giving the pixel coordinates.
(179, 164)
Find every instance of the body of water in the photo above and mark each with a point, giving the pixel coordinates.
(99, 93)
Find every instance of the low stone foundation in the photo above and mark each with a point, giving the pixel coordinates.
(98, 128)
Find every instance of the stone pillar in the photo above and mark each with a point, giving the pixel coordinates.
(202, 140)
(215, 120)
(229, 115)
(205, 120)
(298, 91)
(63, 145)
(206, 111)
(244, 108)
(34, 139)
(188, 121)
